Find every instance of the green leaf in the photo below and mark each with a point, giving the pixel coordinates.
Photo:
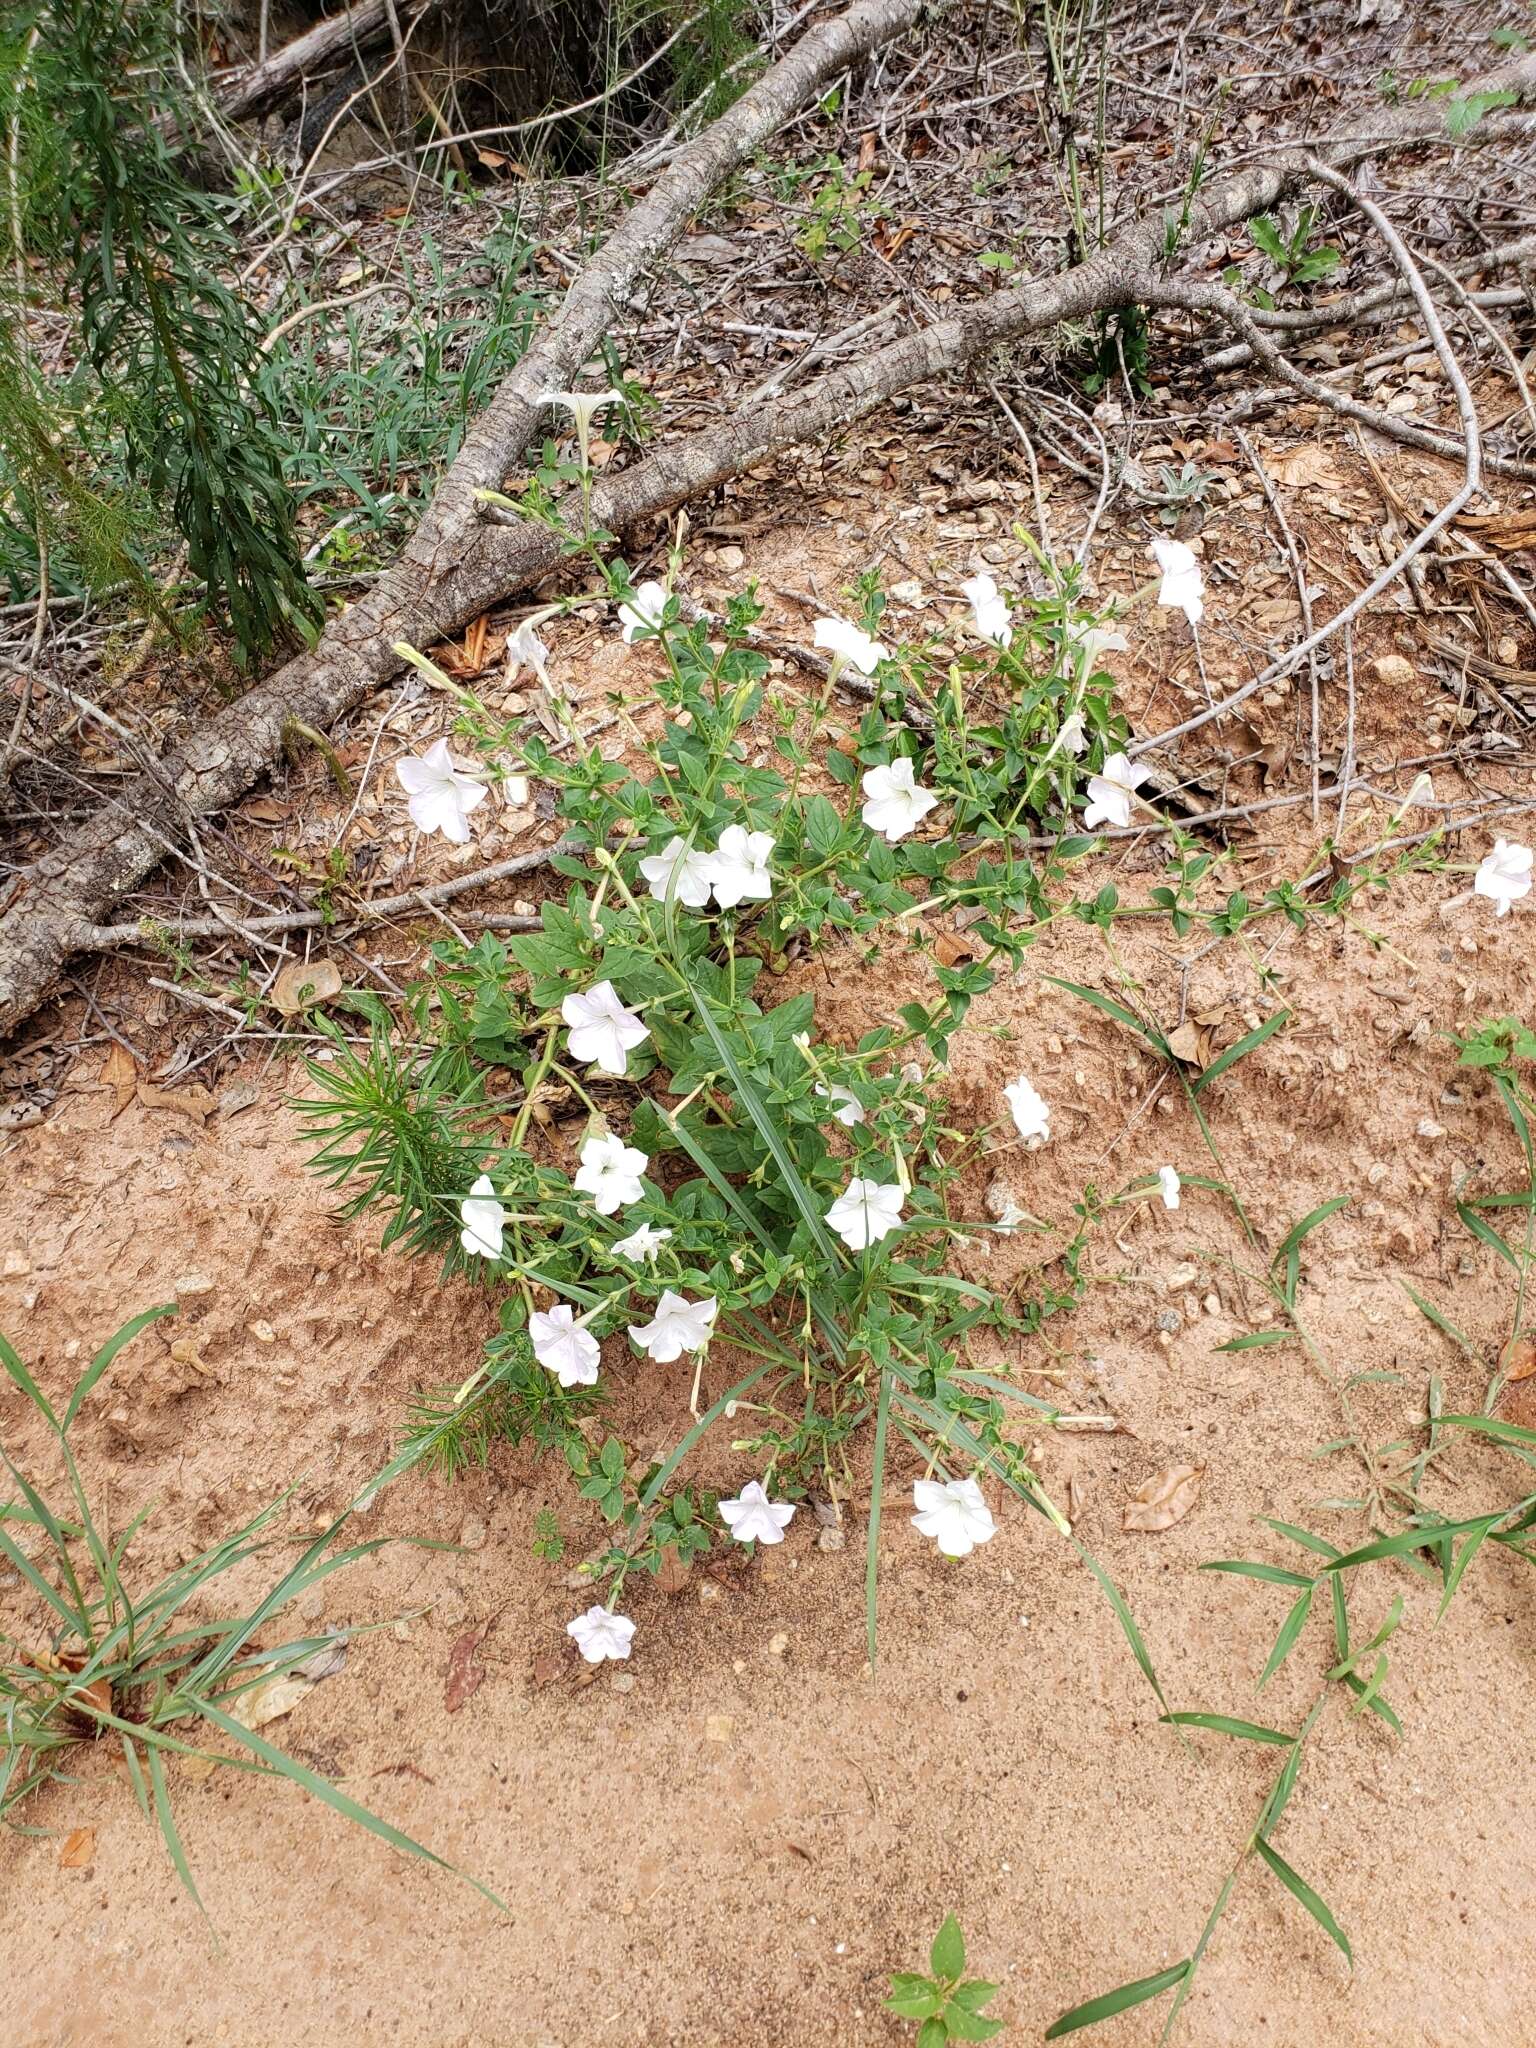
(1308, 1224)
(1272, 1574)
(1224, 1724)
(913, 1997)
(1409, 1540)
(1118, 1011)
(1126, 1620)
(1300, 1889)
(965, 2025)
(872, 1546)
(168, 1826)
(108, 1352)
(1285, 1642)
(1491, 1426)
(1442, 1323)
(1486, 1234)
(1240, 1051)
(947, 1956)
(1256, 1338)
(1109, 2003)
(932, 2034)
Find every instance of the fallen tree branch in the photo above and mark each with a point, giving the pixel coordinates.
(458, 563)
(339, 34)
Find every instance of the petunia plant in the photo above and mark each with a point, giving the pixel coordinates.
(627, 1122)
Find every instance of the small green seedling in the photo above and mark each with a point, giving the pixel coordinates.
(947, 2005)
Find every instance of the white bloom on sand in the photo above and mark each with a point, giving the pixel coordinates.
(1183, 587)
(738, 867)
(483, 1219)
(848, 643)
(895, 801)
(1111, 790)
(642, 1245)
(954, 1513)
(1168, 1183)
(441, 795)
(846, 1106)
(581, 405)
(679, 1325)
(526, 650)
(1505, 875)
(644, 615)
(1073, 734)
(989, 608)
(610, 1173)
(1031, 1117)
(753, 1518)
(603, 1031)
(1088, 639)
(681, 872)
(601, 1635)
(865, 1212)
(563, 1347)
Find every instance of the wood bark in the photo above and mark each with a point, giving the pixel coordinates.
(459, 562)
(338, 35)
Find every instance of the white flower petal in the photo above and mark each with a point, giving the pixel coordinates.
(644, 615)
(681, 872)
(753, 1518)
(483, 1218)
(563, 1347)
(1504, 875)
(847, 642)
(603, 1031)
(1031, 1116)
(865, 1212)
(954, 1513)
(896, 803)
(679, 1325)
(1183, 587)
(610, 1172)
(601, 1634)
(1168, 1185)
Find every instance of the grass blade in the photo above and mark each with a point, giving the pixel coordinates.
(1147, 1032)
(1299, 1889)
(1285, 1642)
(1225, 1724)
(1109, 2003)
(107, 1353)
(872, 1548)
(1240, 1051)
(168, 1829)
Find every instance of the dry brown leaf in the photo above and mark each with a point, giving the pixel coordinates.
(1191, 1045)
(303, 983)
(265, 810)
(79, 1847)
(1166, 1498)
(546, 1669)
(195, 1101)
(1517, 1361)
(465, 1676)
(674, 1574)
(1306, 464)
(119, 1073)
(951, 949)
(270, 1700)
(474, 643)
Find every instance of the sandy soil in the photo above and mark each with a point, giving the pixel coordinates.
(666, 1884)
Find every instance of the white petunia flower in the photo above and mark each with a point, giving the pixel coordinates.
(1111, 790)
(846, 1106)
(610, 1173)
(563, 1347)
(582, 405)
(1169, 1184)
(642, 1245)
(1031, 1117)
(865, 1212)
(1505, 875)
(738, 867)
(601, 1635)
(1074, 734)
(851, 644)
(679, 1325)
(895, 801)
(989, 608)
(483, 1219)
(753, 1518)
(1183, 587)
(526, 650)
(954, 1513)
(1088, 639)
(603, 1031)
(441, 795)
(644, 615)
(681, 872)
